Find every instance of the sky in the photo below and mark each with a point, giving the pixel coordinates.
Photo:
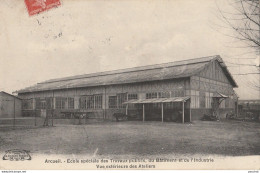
(87, 36)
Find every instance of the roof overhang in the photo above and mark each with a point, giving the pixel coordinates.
(219, 95)
(158, 100)
(226, 71)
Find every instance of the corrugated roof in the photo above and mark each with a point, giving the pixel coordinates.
(158, 100)
(219, 95)
(140, 68)
(156, 72)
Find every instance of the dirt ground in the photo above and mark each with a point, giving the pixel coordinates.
(232, 138)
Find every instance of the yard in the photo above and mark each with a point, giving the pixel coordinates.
(232, 138)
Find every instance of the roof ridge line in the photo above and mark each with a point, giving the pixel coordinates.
(213, 59)
(104, 73)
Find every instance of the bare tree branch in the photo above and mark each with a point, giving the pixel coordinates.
(245, 21)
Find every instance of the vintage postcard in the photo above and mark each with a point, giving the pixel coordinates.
(129, 85)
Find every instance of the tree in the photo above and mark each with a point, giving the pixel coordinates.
(245, 21)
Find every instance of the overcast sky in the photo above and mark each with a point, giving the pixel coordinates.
(86, 36)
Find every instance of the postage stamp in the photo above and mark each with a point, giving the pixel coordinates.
(37, 6)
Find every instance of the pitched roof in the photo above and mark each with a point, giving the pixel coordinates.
(172, 70)
(5, 93)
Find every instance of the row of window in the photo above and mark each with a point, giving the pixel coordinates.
(175, 93)
(85, 102)
(204, 100)
(47, 103)
(118, 100)
(198, 100)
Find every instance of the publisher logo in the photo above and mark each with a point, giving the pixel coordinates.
(17, 155)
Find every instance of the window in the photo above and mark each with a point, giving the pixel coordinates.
(60, 103)
(121, 98)
(208, 101)
(132, 96)
(70, 103)
(43, 104)
(40, 103)
(157, 95)
(164, 95)
(112, 101)
(82, 103)
(202, 99)
(49, 103)
(117, 101)
(27, 104)
(195, 99)
(151, 95)
(90, 102)
(98, 101)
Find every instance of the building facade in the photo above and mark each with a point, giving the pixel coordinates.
(102, 94)
(10, 106)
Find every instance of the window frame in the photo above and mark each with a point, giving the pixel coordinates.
(71, 103)
(98, 101)
(151, 95)
(27, 104)
(60, 103)
(112, 99)
(132, 96)
(90, 103)
(195, 99)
